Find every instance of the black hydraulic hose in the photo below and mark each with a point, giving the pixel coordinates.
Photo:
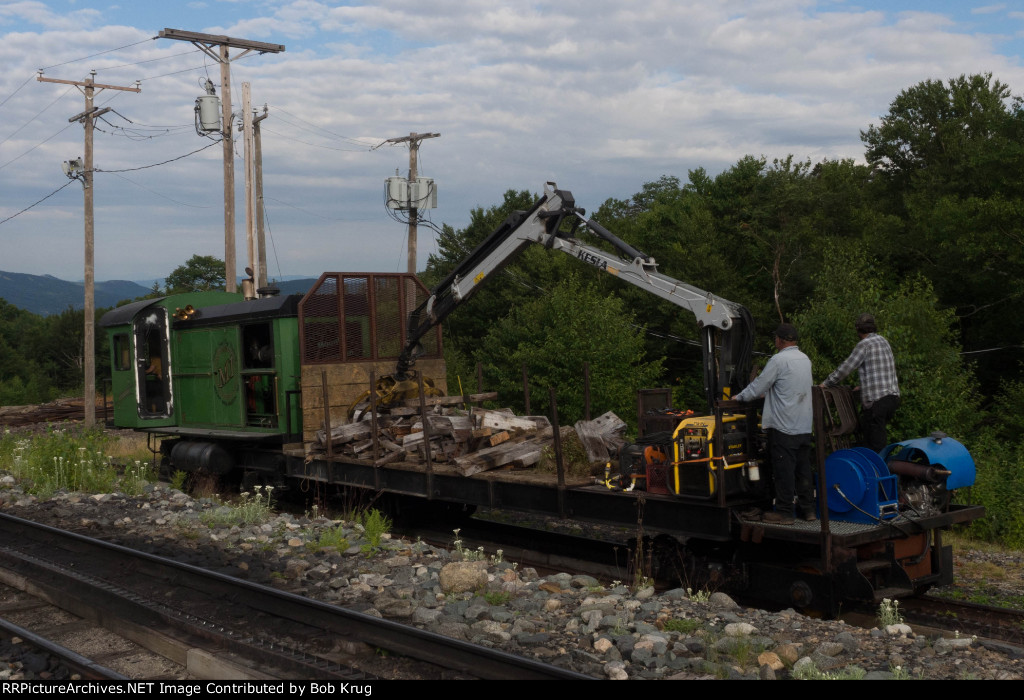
(620, 245)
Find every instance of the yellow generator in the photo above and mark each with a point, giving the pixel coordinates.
(696, 467)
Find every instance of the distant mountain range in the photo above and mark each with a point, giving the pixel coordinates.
(45, 294)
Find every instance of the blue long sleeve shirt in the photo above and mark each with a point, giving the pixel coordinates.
(785, 384)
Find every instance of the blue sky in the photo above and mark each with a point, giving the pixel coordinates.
(600, 96)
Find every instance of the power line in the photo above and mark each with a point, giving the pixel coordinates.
(317, 128)
(307, 211)
(153, 165)
(160, 194)
(55, 101)
(140, 134)
(39, 202)
(314, 145)
(17, 158)
(83, 58)
(270, 232)
(176, 72)
(148, 60)
(17, 90)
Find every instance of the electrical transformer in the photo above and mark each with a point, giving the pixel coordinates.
(208, 113)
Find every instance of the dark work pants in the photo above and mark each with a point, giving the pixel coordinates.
(873, 422)
(791, 470)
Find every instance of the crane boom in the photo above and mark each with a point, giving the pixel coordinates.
(542, 225)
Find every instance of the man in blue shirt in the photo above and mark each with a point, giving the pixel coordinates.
(879, 389)
(785, 382)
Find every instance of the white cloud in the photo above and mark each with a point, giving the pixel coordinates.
(38, 13)
(602, 96)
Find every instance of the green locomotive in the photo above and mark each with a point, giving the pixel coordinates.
(223, 377)
(206, 361)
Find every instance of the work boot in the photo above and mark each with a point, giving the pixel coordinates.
(809, 515)
(777, 518)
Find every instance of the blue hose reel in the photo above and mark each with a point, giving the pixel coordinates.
(859, 486)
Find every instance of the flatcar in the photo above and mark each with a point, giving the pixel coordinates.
(236, 385)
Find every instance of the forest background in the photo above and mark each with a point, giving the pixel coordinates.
(926, 234)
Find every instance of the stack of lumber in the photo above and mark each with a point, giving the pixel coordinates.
(53, 412)
(471, 441)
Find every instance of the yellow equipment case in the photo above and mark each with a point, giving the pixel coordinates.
(695, 464)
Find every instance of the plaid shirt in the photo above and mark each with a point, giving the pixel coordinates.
(873, 360)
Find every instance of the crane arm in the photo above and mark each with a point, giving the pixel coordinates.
(541, 225)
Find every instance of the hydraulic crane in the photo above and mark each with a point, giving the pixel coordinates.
(726, 328)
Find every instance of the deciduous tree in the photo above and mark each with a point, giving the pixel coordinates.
(201, 273)
(553, 335)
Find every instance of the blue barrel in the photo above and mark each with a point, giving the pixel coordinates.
(943, 452)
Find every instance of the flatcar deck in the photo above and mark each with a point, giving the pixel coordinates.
(846, 534)
(583, 499)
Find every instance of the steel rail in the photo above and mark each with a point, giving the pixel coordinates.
(412, 642)
(85, 667)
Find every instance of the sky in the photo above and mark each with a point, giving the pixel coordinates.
(599, 96)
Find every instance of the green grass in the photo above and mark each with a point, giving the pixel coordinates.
(135, 478)
(250, 509)
(60, 460)
(330, 539)
(683, 626)
(497, 597)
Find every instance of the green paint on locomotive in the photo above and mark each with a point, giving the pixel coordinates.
(206, 361)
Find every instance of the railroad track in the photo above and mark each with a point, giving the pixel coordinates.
(36, 656)
(528, 546)
(967, 619)
(241, 629)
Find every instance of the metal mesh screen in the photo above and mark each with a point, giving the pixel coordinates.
(387, 312)
(358, 330)
(367, 312)
(319, 313)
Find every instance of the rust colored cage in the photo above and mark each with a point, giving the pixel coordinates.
(361, 317)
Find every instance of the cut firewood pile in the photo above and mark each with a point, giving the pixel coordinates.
(472, 440)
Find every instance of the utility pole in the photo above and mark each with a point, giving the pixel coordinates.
(254, 188)
(216, 47)
(414, 147)
(250, 204)
(261, 241)
(88, 87)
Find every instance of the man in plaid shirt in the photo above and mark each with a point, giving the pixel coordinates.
(879, 389)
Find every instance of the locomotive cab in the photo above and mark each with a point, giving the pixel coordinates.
(142, 361)
(205, 361)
